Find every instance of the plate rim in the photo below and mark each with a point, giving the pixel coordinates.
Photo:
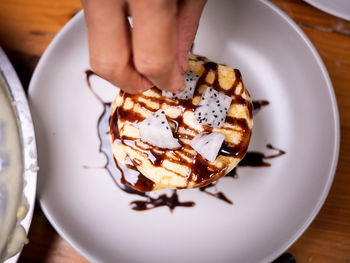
(336, 127)
(326, 9)
(336, 123)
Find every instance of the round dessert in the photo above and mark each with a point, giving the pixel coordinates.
(184, 140)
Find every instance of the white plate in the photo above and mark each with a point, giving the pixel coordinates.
(340, 8)
(272, 206)
(28, 149)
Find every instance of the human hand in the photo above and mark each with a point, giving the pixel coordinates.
(153, 52)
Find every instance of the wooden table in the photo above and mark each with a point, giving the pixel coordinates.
(28, 26)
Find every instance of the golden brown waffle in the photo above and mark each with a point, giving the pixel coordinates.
(184, 167)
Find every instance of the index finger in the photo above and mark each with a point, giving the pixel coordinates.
(109, 45)
(154, 42)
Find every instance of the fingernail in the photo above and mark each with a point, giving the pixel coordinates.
(184, 64)
(180, 90)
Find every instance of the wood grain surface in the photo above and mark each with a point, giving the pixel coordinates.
(28, 26)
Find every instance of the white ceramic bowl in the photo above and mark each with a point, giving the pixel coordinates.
(23, 190)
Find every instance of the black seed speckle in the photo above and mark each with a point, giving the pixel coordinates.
(215, 95)
(206, 142)
(222, 119)
(199, 113)
(217, 101)
(213, 111)
(157, 115)
(148, 124)
(167, 128)
(163, 112)
(220, 110)
(163, 122)
(218, 104)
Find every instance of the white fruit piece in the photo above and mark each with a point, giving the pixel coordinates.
(212, 108)
(156, 131)
(208, 144)
(191, 79)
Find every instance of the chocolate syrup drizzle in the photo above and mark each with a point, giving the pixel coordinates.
(201, 172)
(258, 104)
(162, 200)
(127, 176)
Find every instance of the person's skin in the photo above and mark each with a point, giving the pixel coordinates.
(152, 53)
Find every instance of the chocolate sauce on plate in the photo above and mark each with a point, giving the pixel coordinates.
(258, 104)
(162, 200)
(257, 159)
(219, 195)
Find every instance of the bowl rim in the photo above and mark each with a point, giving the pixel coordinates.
(27, 139)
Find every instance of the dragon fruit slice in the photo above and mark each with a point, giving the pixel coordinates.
(212, 108)
(191, 79)
(208, 144)
(156, 131)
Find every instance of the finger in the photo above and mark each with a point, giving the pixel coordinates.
(154, 42)
(109, 45)
(189, 13)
